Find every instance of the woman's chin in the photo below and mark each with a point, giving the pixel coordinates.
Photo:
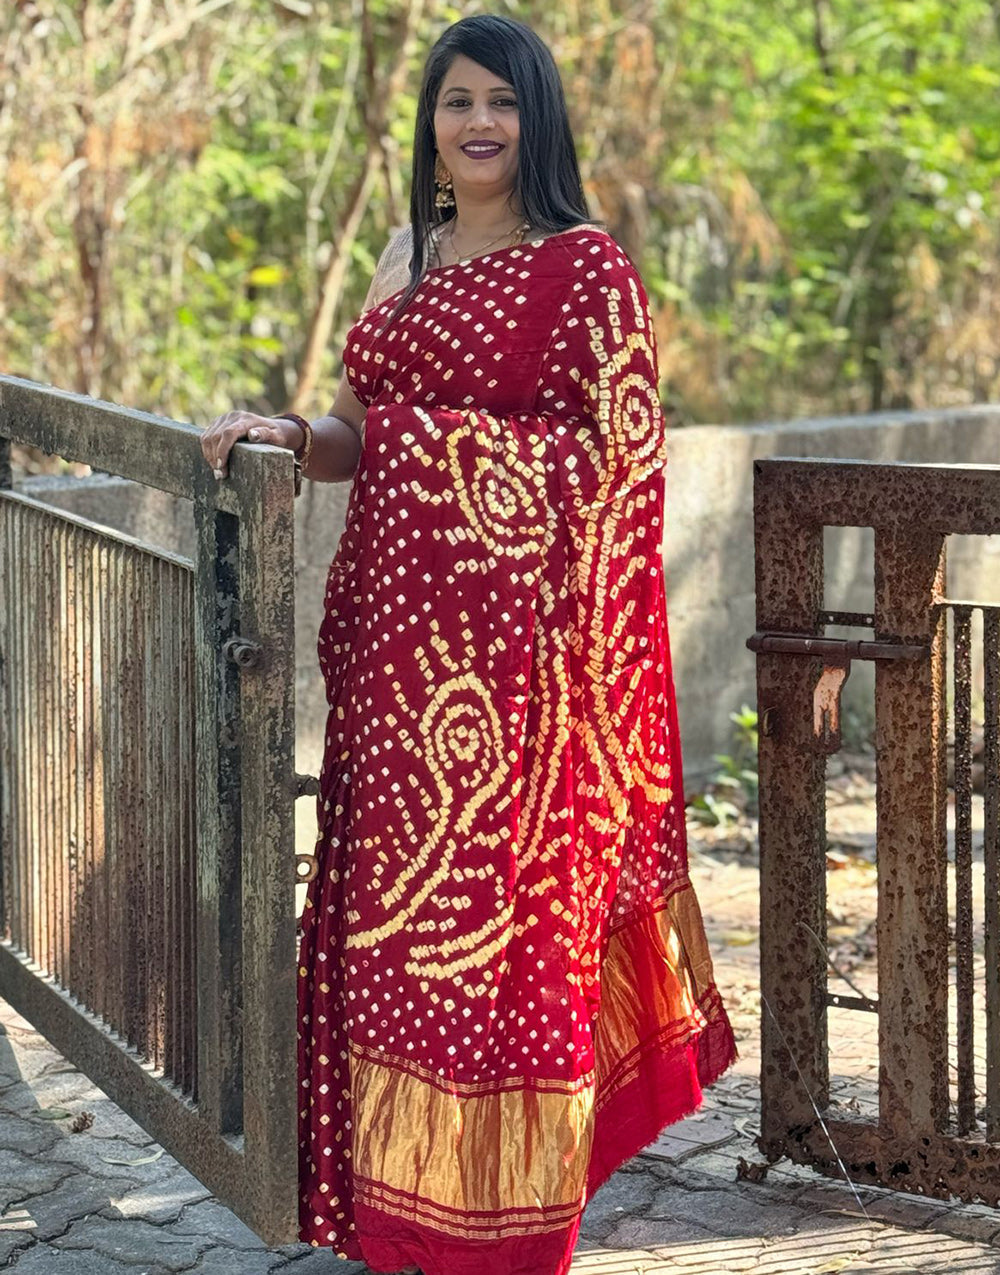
(482, 173)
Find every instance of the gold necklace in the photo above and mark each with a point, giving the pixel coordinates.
(515, 236)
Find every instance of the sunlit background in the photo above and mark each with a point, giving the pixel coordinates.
(193, 193)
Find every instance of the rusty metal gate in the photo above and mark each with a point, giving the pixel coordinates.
(147, 791)
(937, 1130)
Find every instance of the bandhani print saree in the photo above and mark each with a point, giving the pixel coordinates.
(505, 990)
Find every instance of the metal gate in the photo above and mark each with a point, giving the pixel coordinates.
(938, 1127)
(147, 787)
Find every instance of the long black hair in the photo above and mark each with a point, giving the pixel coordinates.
(548, 186)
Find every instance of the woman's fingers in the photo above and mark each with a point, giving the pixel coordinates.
(217, 441)
(276, 433)
(226, 431)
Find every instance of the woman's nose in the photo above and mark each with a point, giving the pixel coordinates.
(481, 117)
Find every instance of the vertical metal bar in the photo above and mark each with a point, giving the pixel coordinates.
(155, 725)
(36, 710)
(187, 895)
(267, 611)
(67, 701)
(136, 804)
(910, 743)
(991, 855)
(40, 893)
(173, 847)
(964, 987)
(89, 674)
(52, 779)
(62, 643)
(42, 757)
(114, 762)
(19, 727)
(30, 711)
(170, 618)
(125, 795)
(219, 889)
(45, 769)
(794, 1062)
(8, 725)
(7, 720)
(78, 956)
(146, 683)
(156, 712)
(95, 912)
(110, 920)
(133, 806)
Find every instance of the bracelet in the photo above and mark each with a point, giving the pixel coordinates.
(302, 453)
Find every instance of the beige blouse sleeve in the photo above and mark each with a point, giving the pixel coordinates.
(393, 270)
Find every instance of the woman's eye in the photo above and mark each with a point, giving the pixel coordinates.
(463, 102)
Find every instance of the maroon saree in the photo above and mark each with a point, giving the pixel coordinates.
(505, 991)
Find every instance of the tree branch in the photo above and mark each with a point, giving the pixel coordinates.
(819, 39)
(379, 96)
(332, 286)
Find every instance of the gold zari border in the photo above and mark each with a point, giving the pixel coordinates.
(468, 1226)
(444, 1153)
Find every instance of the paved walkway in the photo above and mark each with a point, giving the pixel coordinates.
(107, 1201)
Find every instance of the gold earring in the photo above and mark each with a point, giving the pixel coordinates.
(445, 196)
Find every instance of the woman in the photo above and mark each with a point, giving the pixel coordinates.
(505, 991)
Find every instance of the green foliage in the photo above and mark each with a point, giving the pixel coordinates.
(874, 169)
(734, 787)
(811, 191)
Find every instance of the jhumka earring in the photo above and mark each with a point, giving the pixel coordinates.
(445, 196)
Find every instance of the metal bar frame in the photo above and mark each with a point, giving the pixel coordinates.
(238, 1133)
(912, 509)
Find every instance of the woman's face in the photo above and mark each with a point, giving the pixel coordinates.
(476, 127)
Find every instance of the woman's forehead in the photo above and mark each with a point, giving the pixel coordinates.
(466, 74)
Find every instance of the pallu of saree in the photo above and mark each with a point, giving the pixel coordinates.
(505, 990)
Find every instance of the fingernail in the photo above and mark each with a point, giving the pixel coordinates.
(218, 473)
(254, 435)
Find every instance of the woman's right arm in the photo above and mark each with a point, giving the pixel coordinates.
(336, 447)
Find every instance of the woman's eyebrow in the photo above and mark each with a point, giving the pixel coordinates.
(496, 88)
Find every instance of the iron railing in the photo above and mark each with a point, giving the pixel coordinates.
(147, 789)
(937, 1130)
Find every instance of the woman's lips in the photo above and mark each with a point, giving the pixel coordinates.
(481, 150)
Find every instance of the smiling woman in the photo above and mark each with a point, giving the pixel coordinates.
(477, 129)
(504, 988)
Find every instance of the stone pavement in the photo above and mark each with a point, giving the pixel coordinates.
(107, 1201)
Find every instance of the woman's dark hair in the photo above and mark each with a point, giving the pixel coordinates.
(548, 186)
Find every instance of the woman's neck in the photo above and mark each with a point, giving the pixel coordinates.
(475, 219)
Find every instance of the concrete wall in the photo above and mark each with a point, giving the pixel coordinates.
(709, 551)
(709, 548)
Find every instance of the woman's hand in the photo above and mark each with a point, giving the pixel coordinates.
(218, 440)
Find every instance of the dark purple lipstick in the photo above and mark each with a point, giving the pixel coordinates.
(482, 150)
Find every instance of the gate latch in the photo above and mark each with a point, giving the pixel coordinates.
(836, 654)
